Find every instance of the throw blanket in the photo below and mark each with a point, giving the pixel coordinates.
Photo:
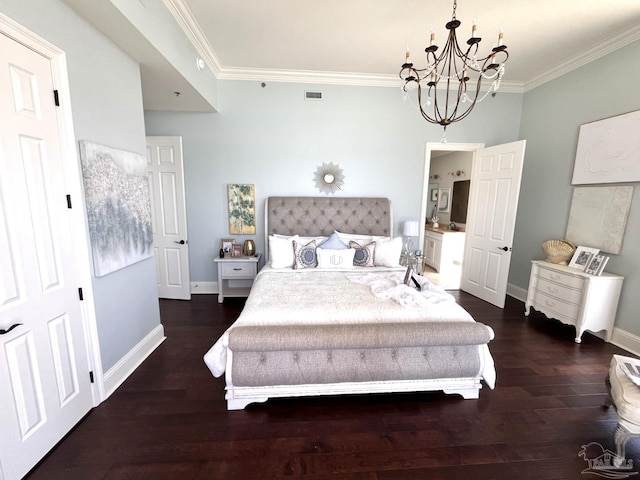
(391, 285)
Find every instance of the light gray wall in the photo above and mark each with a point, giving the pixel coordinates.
(274, 138)
(551, 118)
(107, 108)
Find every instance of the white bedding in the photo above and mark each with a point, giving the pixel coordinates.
(329, 296)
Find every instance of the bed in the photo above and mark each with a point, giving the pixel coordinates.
(331, 328)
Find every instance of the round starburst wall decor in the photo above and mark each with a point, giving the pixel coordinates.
(328, 178)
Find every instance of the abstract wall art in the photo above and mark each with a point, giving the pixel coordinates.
(118, 207)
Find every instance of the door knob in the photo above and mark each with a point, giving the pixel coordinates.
(506, 249)
(181, 242)
(2, 331)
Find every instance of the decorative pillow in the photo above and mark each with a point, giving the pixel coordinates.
(388, 252)
(281, 251)
(342, 258)
(362, 239)
(333, 243)
(304, 255)
(364, 254)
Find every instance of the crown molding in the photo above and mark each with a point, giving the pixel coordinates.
(603, 48)
(189, 25)
(182, 14)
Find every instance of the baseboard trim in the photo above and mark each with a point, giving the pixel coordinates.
(132, 360)
(628, 341)
(516, 292)
(204, 288)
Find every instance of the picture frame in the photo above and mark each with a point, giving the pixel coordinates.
(434, 194)
(444, 200)
(226, 245)
(596, 265)
(242, 208)
(236, 250)
(582, 256)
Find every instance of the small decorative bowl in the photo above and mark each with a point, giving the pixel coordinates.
(558, 251)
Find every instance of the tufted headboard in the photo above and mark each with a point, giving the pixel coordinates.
(320, 216)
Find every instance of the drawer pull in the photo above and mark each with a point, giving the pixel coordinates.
(554, 276)
(550, 304)
(552, 289)
(236, 269)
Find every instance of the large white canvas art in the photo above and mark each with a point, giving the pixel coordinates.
(608, 151)
(118, 206)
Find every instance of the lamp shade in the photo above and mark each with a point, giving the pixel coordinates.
(411, 229)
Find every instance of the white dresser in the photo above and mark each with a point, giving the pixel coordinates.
(585, 301)
(444, 251)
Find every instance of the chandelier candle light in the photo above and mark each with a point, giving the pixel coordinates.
(452, 73)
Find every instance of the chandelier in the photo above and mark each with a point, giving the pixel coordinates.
(458, 73)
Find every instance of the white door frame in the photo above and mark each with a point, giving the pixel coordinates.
(73, 179)
(444, 147)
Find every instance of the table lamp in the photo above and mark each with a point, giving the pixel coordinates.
(410, 230)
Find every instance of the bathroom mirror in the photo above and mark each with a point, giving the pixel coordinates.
(460, 201)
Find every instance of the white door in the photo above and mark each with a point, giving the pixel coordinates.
(493, 202)
(44, 372)
(169, 216)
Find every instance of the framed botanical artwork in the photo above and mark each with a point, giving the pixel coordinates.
(596, 265)
(226, 245)
(434, 194)
(242, 209)
(236, 250)
(582, 256)
(444, 200)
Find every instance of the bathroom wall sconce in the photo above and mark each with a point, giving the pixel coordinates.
(457, 173)
(434, 177)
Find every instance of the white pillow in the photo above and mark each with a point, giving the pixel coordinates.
(328, 258)
(361, 239)
(281, 253)
(300, 239)
(387, 252)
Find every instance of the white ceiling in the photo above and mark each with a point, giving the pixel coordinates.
(363, 41)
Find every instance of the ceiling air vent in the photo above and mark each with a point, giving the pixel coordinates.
(313, 95)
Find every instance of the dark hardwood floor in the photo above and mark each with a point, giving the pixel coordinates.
(169, 419)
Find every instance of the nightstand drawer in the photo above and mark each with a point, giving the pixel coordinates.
(561, 277)
(561, 292)
(239, 269)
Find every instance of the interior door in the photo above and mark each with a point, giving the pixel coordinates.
(169, 217)
(493, 202)
(44, 371)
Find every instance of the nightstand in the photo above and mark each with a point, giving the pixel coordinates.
(236, 275)
(588, 302)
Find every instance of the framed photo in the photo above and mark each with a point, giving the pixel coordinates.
(596, 265)
(226, 244)
(444, 200)
(434, 194)
(236, 250)
(407, 275)
(582, 256)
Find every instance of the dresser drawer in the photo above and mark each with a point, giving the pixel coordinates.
(552, 307)
(561, 277)
(239, 269)
(558, 291)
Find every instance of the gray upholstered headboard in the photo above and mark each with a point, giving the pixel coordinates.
(320, 216)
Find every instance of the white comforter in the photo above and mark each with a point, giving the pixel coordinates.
(321, 297)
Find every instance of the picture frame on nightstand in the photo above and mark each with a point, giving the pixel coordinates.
(226, 245)
(236, 250)
(582, 256)
(596, 265)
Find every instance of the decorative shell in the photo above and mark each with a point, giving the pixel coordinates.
(558, 251)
